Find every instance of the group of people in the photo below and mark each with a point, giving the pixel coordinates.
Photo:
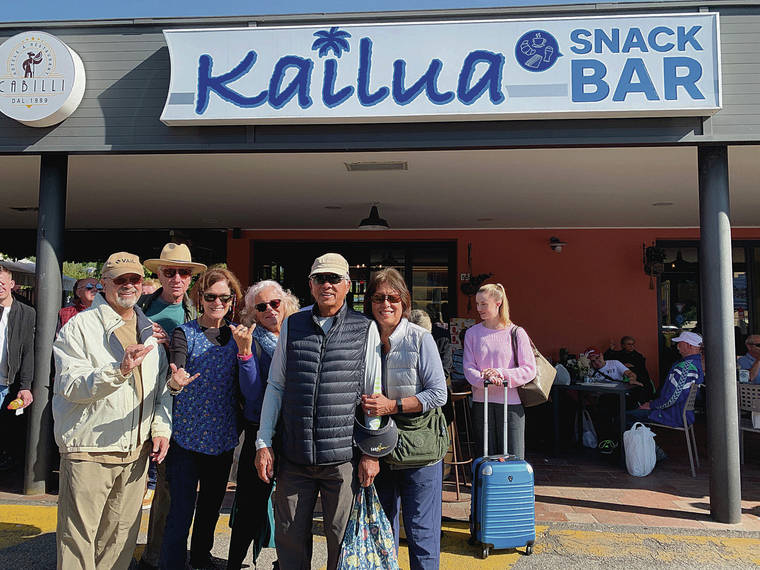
(168, 378)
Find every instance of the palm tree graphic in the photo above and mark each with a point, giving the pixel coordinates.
(334, 39)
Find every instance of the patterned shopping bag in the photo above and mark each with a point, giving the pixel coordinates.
(368, 543)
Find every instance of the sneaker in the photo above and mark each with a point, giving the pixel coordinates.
(607, 447)
(659, 454)
(148, 498)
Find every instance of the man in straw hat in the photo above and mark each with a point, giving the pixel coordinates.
(169, 306)
(112, 414)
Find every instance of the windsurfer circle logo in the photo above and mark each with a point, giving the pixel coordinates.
(43, 80)
(537, 50)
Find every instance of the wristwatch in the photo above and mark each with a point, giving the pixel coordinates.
(399, 406)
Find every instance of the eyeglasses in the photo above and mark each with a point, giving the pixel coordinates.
(752, 343)
(170, 272)
(381, 298)
(331, 278)
(133, 280)
(210, 298)
(261, 307)
(91, 286)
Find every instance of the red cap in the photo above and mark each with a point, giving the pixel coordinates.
(590, 351)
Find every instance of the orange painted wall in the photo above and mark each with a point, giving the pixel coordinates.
(593, 291)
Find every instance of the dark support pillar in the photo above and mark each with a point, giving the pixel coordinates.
(716, 291)
(50, 225)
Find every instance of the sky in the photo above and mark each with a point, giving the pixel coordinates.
(46, 10)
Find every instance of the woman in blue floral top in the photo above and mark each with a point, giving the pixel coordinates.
(210, 358)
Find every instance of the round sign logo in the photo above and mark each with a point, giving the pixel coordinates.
(43, 79)
(537, 50)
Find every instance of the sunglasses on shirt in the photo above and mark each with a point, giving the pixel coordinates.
(331, 278)
(133, 280)
(261, 307)
(381, 298)
(210, 298)
(170, 272)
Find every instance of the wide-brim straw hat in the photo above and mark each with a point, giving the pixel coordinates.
(174, 255)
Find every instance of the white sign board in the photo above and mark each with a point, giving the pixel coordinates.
(42, 80)
(622, 66)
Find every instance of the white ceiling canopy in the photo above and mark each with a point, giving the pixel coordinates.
(522, 188)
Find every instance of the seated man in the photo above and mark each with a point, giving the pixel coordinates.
(634, 361)
(667, 409)
(751, 360)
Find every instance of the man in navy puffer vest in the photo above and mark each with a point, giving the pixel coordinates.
(325, 359)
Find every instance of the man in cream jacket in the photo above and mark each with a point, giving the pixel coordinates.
(112, 413)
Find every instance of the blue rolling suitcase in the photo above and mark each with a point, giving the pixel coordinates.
(503, 512)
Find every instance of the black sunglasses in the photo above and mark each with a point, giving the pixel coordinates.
(210, 298)
(91, 286)
(261, 307)
(753, 343)
(331, 278)
(170, 272)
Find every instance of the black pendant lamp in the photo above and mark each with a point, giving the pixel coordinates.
(374, 221)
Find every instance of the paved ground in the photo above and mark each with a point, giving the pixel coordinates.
(590, 514)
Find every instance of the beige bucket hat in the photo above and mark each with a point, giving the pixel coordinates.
(174, 255)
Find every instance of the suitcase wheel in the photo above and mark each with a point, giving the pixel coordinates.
(529, 549)
(484, 553)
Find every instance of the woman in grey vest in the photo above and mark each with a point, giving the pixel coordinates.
(414, 385)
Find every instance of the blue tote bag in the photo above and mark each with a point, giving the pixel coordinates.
(368, 543)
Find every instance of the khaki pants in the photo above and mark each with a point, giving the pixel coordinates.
(294, 498)
(159, 510)
(99, 509)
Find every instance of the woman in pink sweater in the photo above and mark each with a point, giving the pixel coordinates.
(488, 354)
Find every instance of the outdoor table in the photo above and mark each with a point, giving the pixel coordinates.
(601, 388)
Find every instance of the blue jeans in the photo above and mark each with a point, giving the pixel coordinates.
(418, 492)
(184, 470)
(637, 415)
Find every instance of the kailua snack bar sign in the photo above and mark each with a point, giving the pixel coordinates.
(657, 65)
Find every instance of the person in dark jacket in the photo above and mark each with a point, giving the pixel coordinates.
(267, 305)
(16, 366)
(325, 359)
(667, 408)
(169, 306)
(635, 362)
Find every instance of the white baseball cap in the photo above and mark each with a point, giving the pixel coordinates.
(689, 337)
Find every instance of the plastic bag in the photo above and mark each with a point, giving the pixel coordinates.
(589, 433)
(368, 543)
(640, 456)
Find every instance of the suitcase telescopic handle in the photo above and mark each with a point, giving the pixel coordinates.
(486, 383)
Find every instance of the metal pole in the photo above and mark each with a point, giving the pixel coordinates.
(50, 225)
(716, 286)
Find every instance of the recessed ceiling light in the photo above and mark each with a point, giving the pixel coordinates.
(485, 219)
(376, 166)
(333, 207)
(662, 204)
